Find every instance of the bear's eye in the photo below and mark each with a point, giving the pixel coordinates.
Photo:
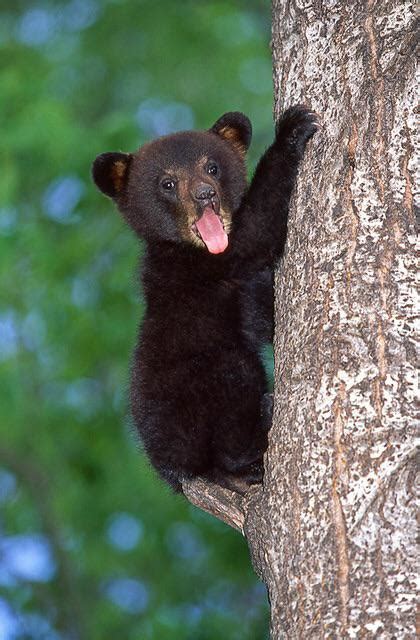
(168, 184)
(213, 169)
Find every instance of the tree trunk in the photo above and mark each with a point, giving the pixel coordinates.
(332, 530)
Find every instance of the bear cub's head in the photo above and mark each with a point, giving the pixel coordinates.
(184, 187)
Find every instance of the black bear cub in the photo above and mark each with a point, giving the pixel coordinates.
(199, 392)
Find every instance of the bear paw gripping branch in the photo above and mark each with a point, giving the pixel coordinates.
(198, 389)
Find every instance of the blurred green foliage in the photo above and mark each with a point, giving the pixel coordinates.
(92, 545)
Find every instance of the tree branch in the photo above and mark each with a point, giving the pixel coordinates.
(224, 504)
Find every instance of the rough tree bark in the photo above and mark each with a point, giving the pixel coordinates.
(332, 530)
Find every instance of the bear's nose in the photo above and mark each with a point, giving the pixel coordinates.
(204, 192)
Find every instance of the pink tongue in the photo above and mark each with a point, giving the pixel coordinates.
(212, 232)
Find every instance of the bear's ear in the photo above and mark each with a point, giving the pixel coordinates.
(236, 128)
(110, 172)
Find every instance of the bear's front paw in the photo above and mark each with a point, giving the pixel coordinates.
(296, 126)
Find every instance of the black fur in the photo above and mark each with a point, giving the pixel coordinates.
(199, 393)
